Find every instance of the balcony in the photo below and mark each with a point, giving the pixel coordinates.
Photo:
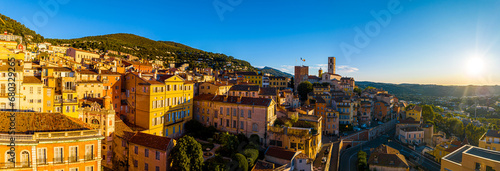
(41, 161)
(69, 101)
(10, 165)
(73, 159)
(89, 157)
(58, 160)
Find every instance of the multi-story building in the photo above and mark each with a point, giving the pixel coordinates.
(411, 135)
(280, 83)
(244, 90)
(331, 65)
(381, 110)
(414, 112)
(301, 75)
(252, 77)
(80, 55)
(471, 158)
(304, 135)
(365, 110)
(490, 140)
(347, 108)
(387, 158)
(149, 152)
(332, 122)
(236, 114)
(6, 88)
(120, 145)
(444, 149)
(99, 114)
(160, 106)
(112, 87)
(31, 94)
(216, 88)
(61, 82)
(50, 141)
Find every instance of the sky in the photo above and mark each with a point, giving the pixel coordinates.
(447, 42)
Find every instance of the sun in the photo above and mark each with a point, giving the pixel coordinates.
(475, 66)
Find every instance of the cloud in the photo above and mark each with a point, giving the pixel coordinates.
(346, 69)
(286, 68)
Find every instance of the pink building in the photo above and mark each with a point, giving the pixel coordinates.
(236, 114)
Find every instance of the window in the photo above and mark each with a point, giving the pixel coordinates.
(41, 156)
(58, 154)
(478, 166)
(255, 127)
(136, 150)
(242, 125)
(89, 152)
(249, 113)
(157, 155)
(157, 168)
(25, 158)
(73, 153)
(73, 169)
(89, 168)
(242, 113)
(146, 166)
(146, 152)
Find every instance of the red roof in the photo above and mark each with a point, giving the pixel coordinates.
(152, 141)
(280, 153)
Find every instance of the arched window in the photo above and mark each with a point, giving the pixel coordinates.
(95, 121)
(7, 162)
(25, 158)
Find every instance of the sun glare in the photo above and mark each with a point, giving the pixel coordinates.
(475, 66)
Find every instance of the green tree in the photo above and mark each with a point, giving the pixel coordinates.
(187, 155)
(251, 155)
(362, 161)
(242, 162)
(303, 89)
(357, 90)
(215, 163)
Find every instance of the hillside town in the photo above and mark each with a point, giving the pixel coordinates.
(78, 109)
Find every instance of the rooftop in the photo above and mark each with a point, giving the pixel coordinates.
(28, 122)
(152, 141)
(280, 153)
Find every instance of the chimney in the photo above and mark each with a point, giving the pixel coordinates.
(99, 71)
(225, 98)
(155, 76)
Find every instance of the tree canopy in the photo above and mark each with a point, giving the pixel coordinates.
(187, 155)
(303, 89)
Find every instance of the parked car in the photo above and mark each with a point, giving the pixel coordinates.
(323, 160)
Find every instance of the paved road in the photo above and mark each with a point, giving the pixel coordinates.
(349, 158)
(426, 163)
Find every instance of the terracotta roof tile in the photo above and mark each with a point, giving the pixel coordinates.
(151, 141)
(31, 80)
(280, 153)
(27, 122)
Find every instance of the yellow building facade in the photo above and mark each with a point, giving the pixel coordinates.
(490, 140)
(162, 106)
(471, 158)
(414, 112)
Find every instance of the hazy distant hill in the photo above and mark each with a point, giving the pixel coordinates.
(402, 90)
(274, 72)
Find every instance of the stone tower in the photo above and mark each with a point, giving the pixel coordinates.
(331, 65)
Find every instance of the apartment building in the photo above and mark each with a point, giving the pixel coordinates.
(162, 106)
(31, 94)
(6, 88)
(490, 140)
(236, 114)
(216, 88)
(80, 55)
(149, 152)
(50, 141)
(471, 158)
(280, 83)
